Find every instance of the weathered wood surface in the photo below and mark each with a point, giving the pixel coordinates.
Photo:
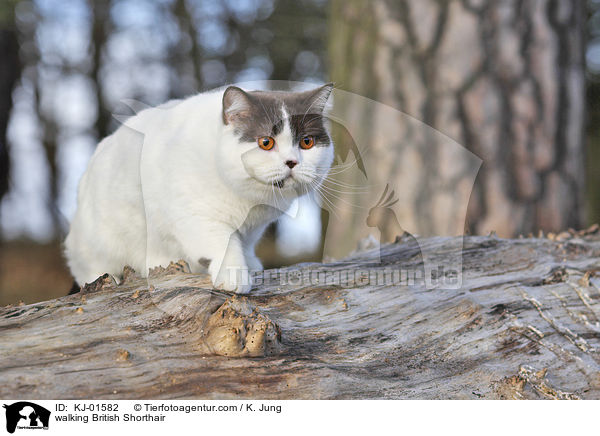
(525, 324)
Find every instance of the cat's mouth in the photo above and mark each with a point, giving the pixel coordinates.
(281, 182)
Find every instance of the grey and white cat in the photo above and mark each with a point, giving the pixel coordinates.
(198, 179)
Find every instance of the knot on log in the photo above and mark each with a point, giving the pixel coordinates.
(514, 387)
(129, 275)
(238, 329)
(122, 355)
(180, 266)
(103, 282)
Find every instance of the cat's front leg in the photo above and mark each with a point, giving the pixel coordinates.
(249, 242)
(230, 271)
(253, 262)
(228, 268)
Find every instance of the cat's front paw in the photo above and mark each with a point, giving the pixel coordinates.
(254, 263)
(232, 286)
(233, 278)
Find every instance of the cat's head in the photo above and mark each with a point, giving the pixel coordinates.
(276, 142)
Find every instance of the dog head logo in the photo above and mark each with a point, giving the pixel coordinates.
(24, 414)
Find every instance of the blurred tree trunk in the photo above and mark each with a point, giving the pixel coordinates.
(47, 121)
(10, 71)
(505, 79)
(49, 143)
(100, 10)
(186, 55)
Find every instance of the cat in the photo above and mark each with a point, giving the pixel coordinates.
(198, 179)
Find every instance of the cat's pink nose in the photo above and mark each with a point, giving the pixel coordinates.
(291, 163)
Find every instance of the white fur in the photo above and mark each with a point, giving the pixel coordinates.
(175, 183)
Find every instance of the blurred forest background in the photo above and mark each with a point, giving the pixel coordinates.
(517, 82)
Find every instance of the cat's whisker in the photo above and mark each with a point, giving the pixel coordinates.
(331, 207)
(339, 191)
(341, 169)
(350, 188)
(343, 200)
(338, 186)
(323, 190)
(342, 183)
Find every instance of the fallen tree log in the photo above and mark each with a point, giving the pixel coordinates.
(524, 324)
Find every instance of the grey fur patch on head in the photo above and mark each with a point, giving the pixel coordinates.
(254, 114)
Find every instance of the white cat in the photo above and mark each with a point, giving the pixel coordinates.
(198, 179)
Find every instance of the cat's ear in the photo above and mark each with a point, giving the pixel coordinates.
(319, 97)
(236, 104)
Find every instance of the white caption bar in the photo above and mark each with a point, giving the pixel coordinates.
(68, 417)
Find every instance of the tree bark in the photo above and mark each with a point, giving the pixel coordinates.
(505, 79)
(524, 324)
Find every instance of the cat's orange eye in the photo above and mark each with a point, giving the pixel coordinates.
(266, 142)
(307, 142)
